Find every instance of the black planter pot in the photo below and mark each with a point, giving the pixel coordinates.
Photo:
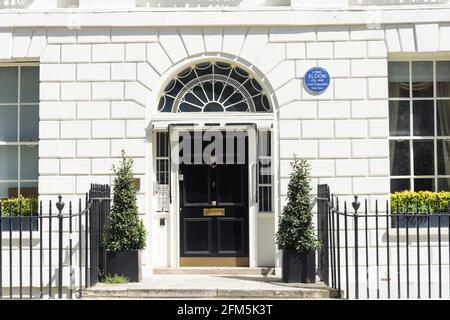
(299, 267)
(124, 263)
(27, 224)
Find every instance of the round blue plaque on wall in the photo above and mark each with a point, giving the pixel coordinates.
(316, 80)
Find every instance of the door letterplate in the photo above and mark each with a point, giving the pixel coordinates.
(213, 212)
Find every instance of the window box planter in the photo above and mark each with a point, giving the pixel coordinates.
(124, 263)
(299, 267)
(411, 221)
(27, 224)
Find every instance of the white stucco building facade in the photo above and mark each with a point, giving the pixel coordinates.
(105, 65)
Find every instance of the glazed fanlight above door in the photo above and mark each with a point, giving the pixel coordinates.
(214, 87)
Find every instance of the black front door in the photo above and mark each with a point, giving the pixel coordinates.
(214, 214)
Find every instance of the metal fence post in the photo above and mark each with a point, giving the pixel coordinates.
(60, 207)
(86, 240)
(356, 205)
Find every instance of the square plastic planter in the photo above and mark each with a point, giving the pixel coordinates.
(124, 263)
(299, 267)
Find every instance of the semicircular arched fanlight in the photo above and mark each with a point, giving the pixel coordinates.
(214, 87)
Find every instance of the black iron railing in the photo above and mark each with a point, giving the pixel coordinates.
(63, 250)
(368, 254)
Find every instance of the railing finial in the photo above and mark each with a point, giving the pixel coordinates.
(356, 204)
(60, 204)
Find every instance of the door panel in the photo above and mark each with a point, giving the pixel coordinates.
(196, 181)
(229, 184)
(197, 235)
(230, 236)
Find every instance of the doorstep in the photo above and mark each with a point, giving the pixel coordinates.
(216, 271)
(210, 287)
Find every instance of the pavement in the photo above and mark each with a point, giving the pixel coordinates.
(194, 286)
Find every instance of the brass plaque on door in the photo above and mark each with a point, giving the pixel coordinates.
(213, 212)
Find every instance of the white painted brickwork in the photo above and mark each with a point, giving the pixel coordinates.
(94, 72)
(99, 86)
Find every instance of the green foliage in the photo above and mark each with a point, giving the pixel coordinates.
(406, 201)
(14, 204)
(296, 230)
(124, 229)
(115, 279)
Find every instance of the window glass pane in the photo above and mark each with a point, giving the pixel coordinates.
(400, 185)
(398, 79)
(423, 157)
(265, 175)
(8, 162)
(8, 84)
(399, 158)
(443, 79)
(29, 84)
(29, 161)
(8, 123)
(424, 184)
(399, 118)
(29, 123)
(265, 199)
(162, 141)
(422, 78)
(264, 143)
(213, 87)
(162, 171)
(423, 118)
(8, 190)
(29, 189)
(444, 184)
(443, 150)
(443, 117)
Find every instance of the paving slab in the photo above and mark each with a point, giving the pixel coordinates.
(211, 287)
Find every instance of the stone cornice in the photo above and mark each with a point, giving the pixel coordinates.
(223, 17)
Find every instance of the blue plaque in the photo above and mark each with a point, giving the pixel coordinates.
(316, 80)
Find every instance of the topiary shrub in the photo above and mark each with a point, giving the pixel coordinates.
(296, 231)
(407, 201)
(124, 229)
(11, 206)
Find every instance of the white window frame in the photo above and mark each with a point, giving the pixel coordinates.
(411, 138)
(271, 184)
(160, 197)
(19, 144)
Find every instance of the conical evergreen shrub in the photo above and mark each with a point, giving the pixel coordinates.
(124, 229)
(296, 231)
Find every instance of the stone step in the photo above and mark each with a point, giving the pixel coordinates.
(154, 293)
(215, 271)
(210, 287)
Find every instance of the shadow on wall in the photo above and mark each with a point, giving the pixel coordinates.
(394, 2)
(211, 3)
(25, 4)
(15, 4)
